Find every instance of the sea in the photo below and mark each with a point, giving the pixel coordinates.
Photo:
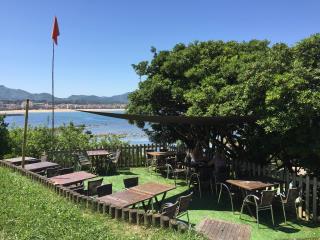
(96, 124)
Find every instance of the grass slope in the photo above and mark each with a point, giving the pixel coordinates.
(28, 210)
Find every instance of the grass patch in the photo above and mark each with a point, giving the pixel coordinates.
(207, 207)
(28, 210)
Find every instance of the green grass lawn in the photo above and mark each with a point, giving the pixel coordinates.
(207, 207)
(28, 210)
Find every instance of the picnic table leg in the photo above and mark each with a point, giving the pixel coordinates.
(157, 201)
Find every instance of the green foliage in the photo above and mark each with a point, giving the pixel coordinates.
(4, 137)
(68, 138)
(277, 84)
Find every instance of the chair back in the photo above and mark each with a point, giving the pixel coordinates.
(83, 157)
(65, 170)
(171, 210)
(117, 156)
(267, 197)
(51, 172)
(104, 190)
(293, 194)
(184, 202)
(92, 186)
(130, 182)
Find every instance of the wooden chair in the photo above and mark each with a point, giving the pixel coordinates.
(262, 203)
(289, 201)
(104, 190)
(130, 182)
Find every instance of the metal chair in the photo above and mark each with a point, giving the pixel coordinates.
(199, 178)
(262, 203)
(175, 171)
(130, 182)
(84, 162)
(148, 157)
(51, 172)
(289, 201)
(104, 190)
(182, 207)
(114, 159)
(230, 193)
(93, 185)
(170, 210)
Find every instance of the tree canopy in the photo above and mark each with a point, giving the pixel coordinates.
(279, 84)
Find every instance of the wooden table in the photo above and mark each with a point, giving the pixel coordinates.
(162, 154)
(251, 185)
(71, 178)
(220, 230)
(35, 167)
(18, 160)
(97, 153)
(137, 194)
(126, 198)
(154, 189)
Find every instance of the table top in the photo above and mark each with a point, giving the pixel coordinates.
(218, 229)
(156, 154)
(251, 184)
(125, 198)
(40, 166)
(71, 178)
(152, 188)
(101, 152)
(18, 160)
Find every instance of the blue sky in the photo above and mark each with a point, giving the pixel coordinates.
(99, 40)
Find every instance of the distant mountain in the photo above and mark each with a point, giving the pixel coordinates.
(9, 94)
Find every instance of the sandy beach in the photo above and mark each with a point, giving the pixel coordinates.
(19, 112)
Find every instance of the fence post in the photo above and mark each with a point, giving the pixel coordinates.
(314, 199)
(307, 197)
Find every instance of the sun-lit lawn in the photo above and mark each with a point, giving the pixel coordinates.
(29, 210)
(207, 207)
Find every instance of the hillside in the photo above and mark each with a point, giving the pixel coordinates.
(9, 94)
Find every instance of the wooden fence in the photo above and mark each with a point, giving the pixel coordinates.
(131, 155)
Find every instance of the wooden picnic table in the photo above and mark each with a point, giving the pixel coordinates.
(18, 160)
(220, 230)
(137, 194)
(71, 178)
(154, 189)
(251, 185)
(39, 166)
(125, 198)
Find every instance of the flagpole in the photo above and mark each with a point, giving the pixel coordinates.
(52, 82)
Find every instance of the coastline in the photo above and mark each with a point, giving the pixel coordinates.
(21, 112)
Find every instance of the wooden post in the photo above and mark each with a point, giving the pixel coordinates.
(25, 134)
(314, 199)
(307, 197)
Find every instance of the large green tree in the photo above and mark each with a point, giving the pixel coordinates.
(277, 84)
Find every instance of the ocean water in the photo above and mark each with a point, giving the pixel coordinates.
(94, 123)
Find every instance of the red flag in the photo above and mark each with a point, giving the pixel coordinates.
(55, 31)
